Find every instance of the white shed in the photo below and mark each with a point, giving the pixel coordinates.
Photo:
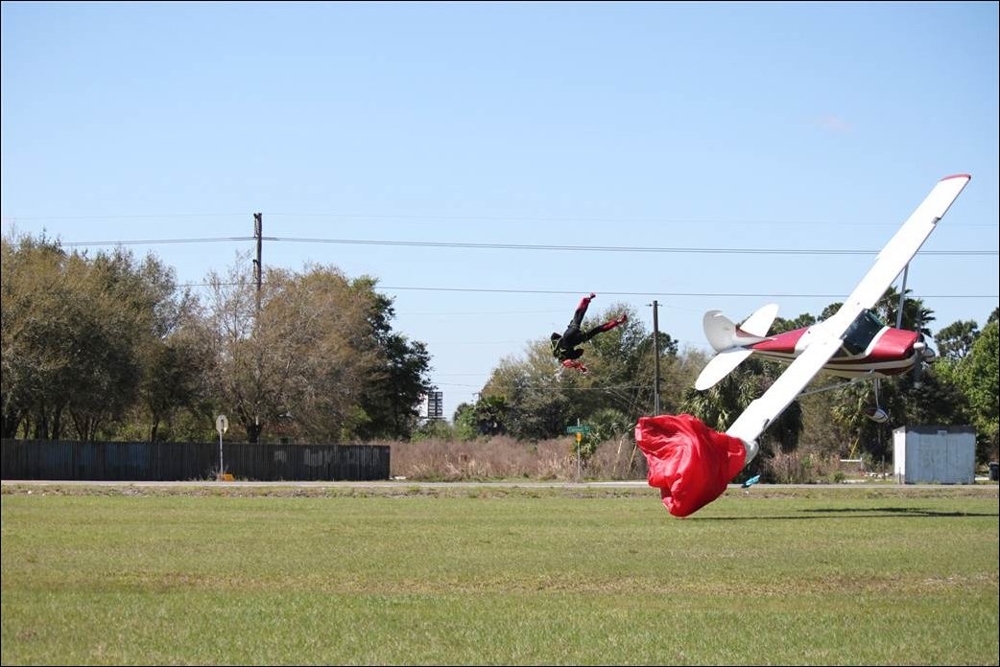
(934, 454)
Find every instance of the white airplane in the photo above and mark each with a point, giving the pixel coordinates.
(851, 343)
(870, 348)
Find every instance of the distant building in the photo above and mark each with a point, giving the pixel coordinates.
(934, 454)
(432, 405)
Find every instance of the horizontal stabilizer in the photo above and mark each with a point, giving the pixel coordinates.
(723, 334)
(720, 366)
(760, 322)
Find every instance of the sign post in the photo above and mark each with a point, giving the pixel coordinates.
(221, 425)
(579, 430)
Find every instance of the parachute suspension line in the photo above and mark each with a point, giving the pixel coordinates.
(635, 408)
(626, 396)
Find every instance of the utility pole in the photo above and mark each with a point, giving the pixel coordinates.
(258, 231)
(656, 360)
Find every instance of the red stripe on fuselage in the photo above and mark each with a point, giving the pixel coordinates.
(891, 354)
(782, 343)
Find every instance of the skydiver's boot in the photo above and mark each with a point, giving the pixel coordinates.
(611, 324)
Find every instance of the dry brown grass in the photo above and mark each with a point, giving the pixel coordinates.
(502, 457)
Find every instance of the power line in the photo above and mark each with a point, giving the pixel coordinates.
(491, 218)
(219, 239)
(487, 290)
(680, 250)
(719, 294)
(536, 247)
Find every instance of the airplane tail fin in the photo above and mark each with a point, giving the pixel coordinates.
(732, 342)
(723, 334)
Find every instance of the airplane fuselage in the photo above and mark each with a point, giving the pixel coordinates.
(889, 351)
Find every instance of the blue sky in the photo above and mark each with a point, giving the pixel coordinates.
(667, 126)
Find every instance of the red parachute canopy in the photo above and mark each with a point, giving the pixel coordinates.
(690, 463)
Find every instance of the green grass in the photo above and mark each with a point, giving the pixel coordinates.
(465, 575)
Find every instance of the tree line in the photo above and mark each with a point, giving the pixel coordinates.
(526, 399)
(109, 347)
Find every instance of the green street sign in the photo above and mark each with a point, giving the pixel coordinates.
(583, 428)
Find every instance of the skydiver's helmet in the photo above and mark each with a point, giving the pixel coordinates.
(554, 342)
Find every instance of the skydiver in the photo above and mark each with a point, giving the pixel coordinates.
(564, 347)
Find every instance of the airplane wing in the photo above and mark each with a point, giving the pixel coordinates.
(825, 338)
(898, 252)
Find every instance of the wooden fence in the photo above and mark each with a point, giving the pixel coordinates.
(185, 461)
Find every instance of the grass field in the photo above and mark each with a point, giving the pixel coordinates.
(850, 574)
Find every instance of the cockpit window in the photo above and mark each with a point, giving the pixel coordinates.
(861, 332)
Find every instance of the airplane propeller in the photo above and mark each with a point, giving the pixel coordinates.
(926, 355)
